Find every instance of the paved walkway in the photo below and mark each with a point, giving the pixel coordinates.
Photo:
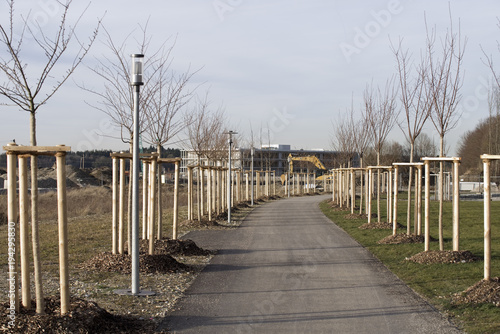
(289, 269)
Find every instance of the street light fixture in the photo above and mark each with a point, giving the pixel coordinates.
(136, 82)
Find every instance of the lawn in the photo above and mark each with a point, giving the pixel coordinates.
(437, 282)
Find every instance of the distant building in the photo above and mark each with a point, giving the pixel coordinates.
(270, 157)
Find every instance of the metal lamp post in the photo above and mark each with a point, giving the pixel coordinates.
(230, 133)
(136, 82)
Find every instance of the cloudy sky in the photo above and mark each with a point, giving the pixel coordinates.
(288, 67)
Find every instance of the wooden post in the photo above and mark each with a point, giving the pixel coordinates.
(217, 191)
(395, 206)
(202, 190)
(145, 196)
(13, 236)
(257, 186)
(487, 219)
(214, 189)
(115, 206)
(353, 190)
(238, 187)
(152, 203)
(121, 205)
(456, 206)
(176, 202)
(389, 196)
(427, 205)
(190, 192)
(419, 199)
(24, 231)
(63, 231)
(209, 193)
(370, 186)
(247, 186)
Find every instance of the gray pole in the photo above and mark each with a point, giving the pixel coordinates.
(252, 151)
(135, 196)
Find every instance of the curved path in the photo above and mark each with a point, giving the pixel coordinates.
(289, 269)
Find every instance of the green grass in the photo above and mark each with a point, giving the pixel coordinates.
(437, 282)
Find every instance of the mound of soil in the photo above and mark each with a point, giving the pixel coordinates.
(157, 263)
(402, 238)
(83, 317)
(195, 224)
(447, 256)
(355, 216)
(185, 247)
(378, 226)
(483, 292)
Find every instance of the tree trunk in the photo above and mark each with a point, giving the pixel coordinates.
(410, 175)
(40, 302)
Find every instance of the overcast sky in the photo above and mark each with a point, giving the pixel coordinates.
(288, 66)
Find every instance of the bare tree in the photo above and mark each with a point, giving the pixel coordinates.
(29, 87)
(416, 99)
(201, 125)
(445, 81)
(381, 114)
(167, 96)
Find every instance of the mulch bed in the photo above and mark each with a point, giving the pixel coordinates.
(378, 226)
(402, 238)
(204, 223)
(447, 256)
(160, 262)
(483, 292)
(355, 216)
(157, 263)
(83, 317)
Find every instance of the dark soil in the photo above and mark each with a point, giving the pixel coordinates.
(402, 238)
(204, 223)
(431, 257)
(355, 216)
(83, 317)
(483, 292)
(157, 263)
(378, 226)
(167, 246)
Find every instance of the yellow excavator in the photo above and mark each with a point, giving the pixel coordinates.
(309, 158)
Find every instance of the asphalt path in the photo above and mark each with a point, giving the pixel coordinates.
(289, 269)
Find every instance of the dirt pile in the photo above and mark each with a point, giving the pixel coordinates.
(434, 256)
(402, 238)
(84, 317)
(377, 226)
(483, 292)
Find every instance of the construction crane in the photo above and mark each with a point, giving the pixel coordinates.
(309, 158)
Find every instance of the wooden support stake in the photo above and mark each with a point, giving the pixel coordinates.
(370, 186)
(152, 201)
(487, 219)
(190, 193)
(419, 200)
(145, 197)
(13, 236)
(121, 212)
(395, 205)
(427, 206)
(115, 206)
(24, 231)
(209, 193)
(456, 207)
(63, 231)
(176, 202)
